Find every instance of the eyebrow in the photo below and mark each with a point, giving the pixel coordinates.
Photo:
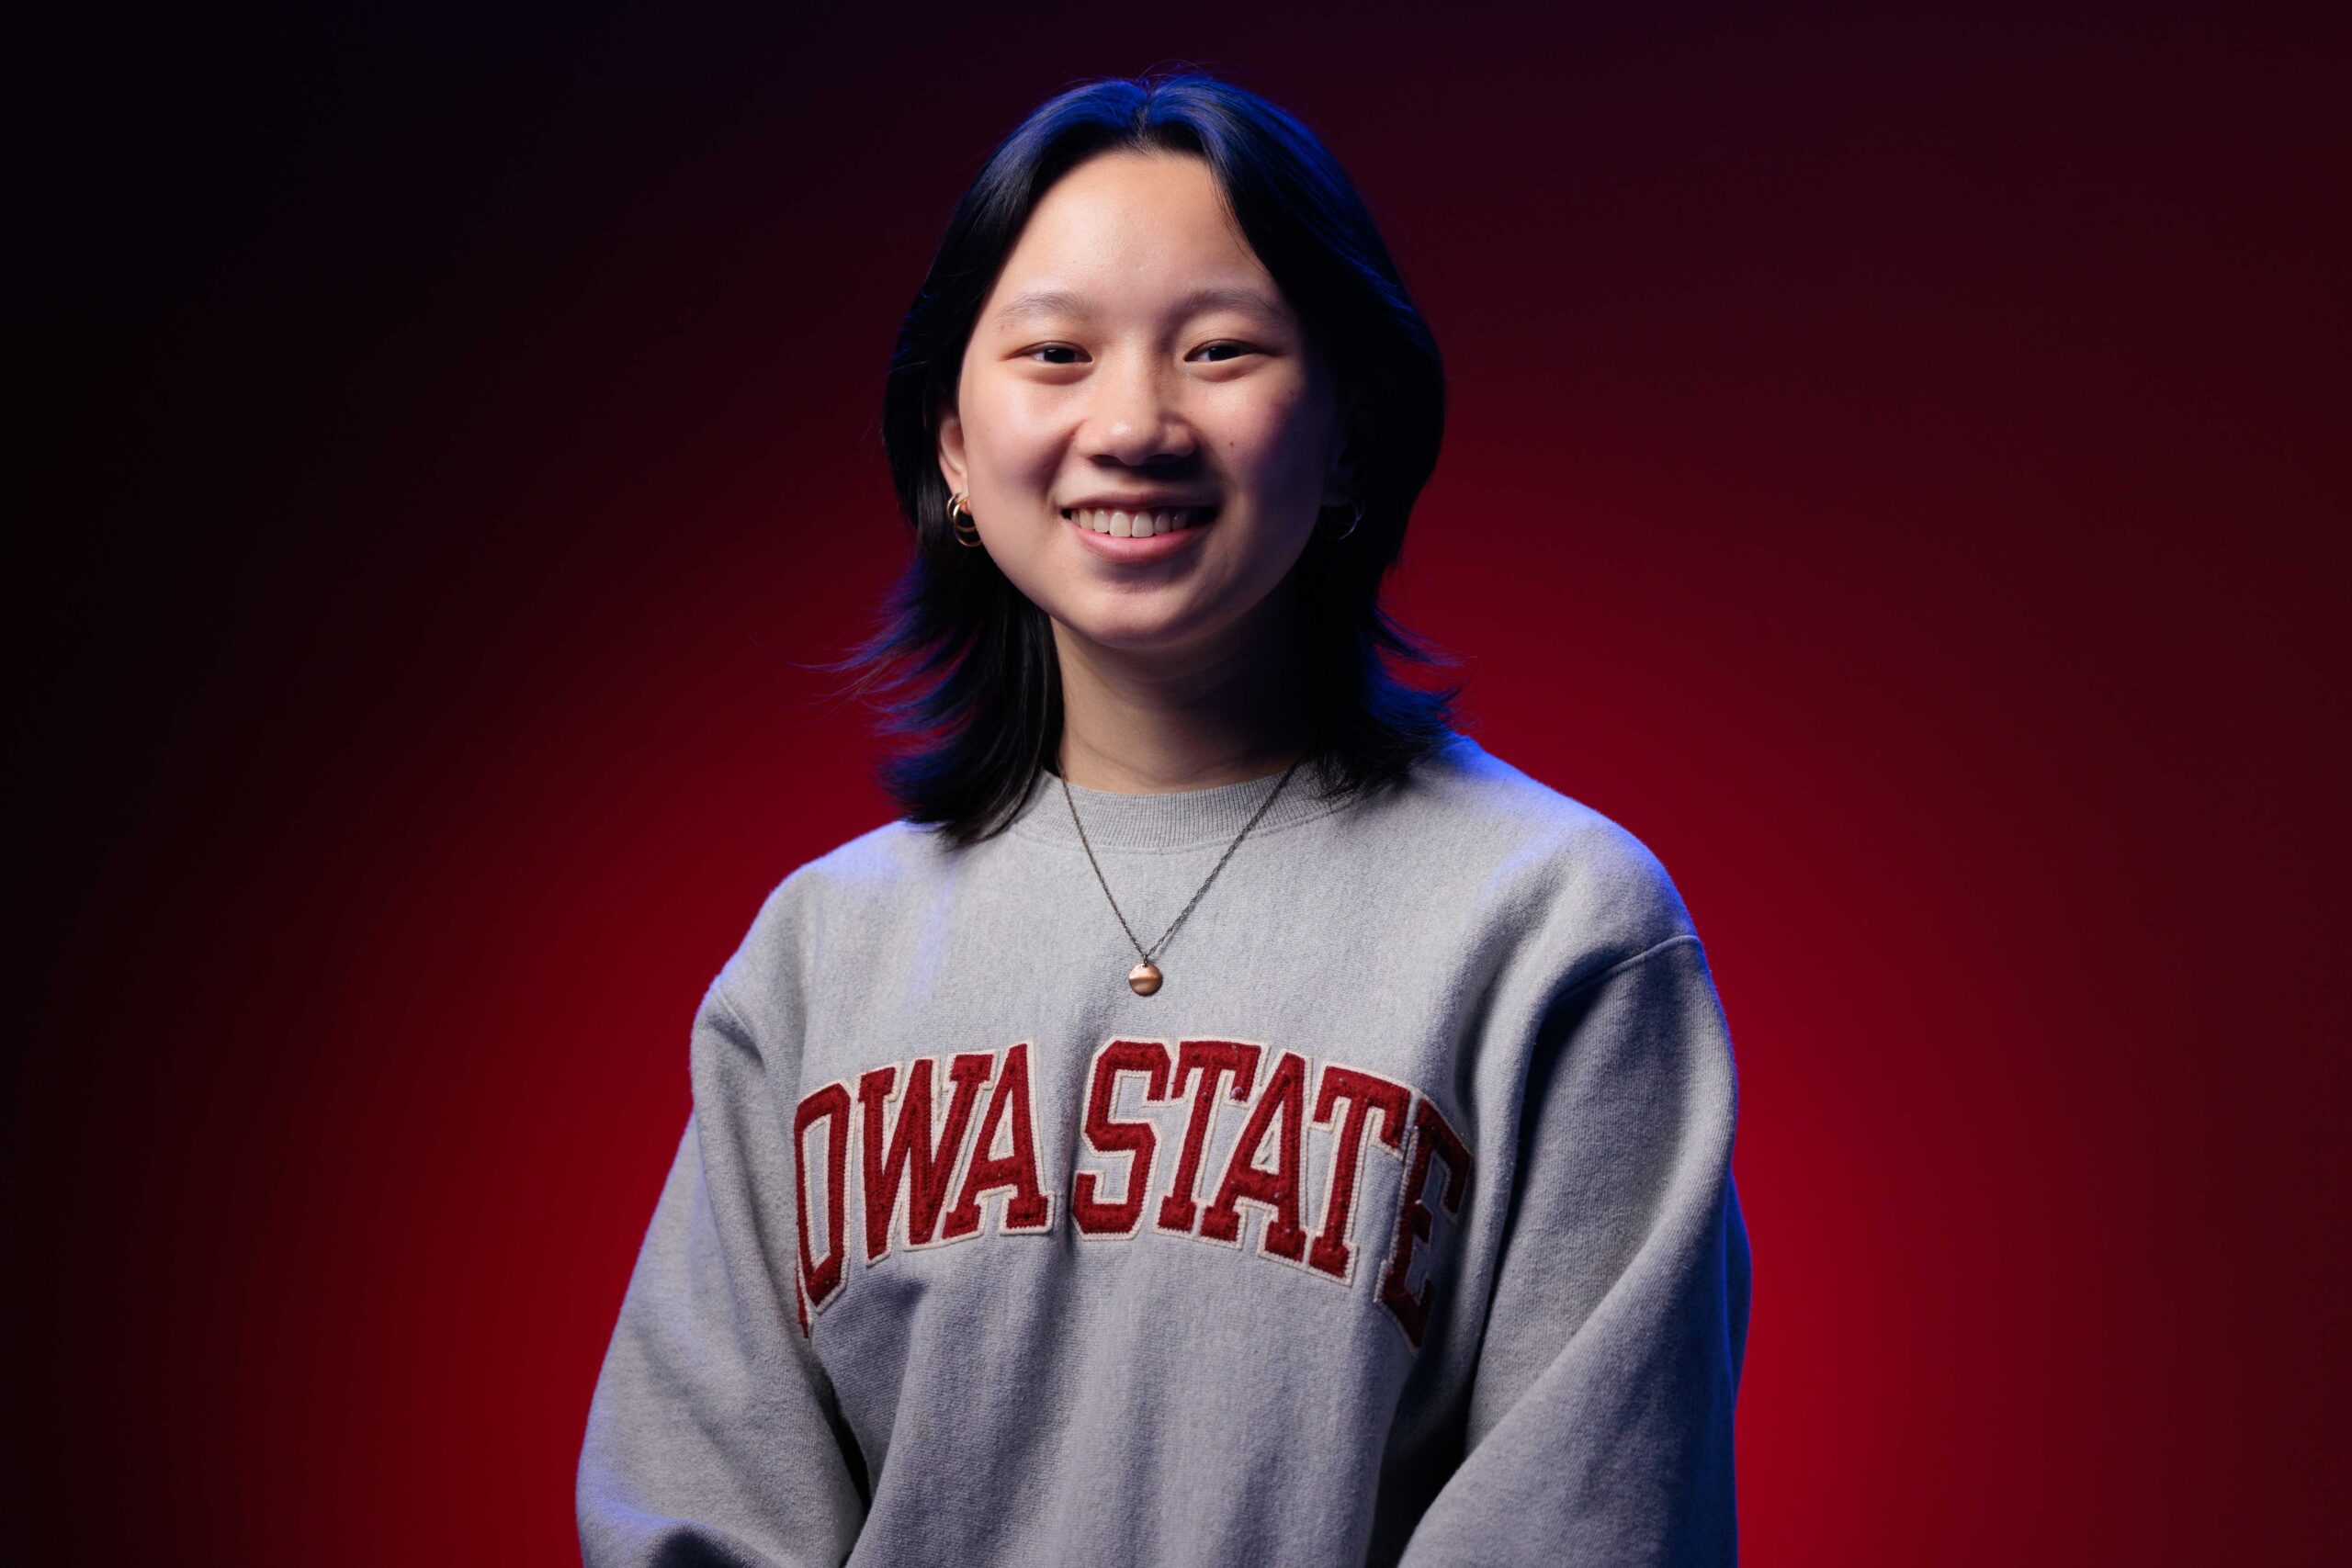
(1062, 302)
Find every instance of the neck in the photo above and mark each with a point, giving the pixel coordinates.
(1147, 722)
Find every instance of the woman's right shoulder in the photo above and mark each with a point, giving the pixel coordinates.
(882, 864)
(852, 894)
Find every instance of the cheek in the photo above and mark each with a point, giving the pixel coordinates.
(1280, 443)
(1010, 430)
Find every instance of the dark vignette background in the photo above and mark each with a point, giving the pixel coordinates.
(1892, 471)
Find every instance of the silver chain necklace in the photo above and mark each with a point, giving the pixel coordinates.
(1144, 978)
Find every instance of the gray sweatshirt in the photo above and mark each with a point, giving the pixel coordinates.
(1397, 1226)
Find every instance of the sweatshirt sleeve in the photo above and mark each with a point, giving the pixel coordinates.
(1599, 1429)
(712, 1435)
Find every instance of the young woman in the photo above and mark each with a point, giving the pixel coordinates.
(1230, 1117)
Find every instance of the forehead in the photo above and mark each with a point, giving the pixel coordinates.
(1132, 231)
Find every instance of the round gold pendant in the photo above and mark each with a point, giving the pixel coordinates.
(1144, 978)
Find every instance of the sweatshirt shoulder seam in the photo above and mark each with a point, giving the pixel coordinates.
(1590, 981)
(733, 1009)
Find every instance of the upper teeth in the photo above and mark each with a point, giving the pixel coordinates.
(1137, 525)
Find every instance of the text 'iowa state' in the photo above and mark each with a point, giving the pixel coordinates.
(918, 1144)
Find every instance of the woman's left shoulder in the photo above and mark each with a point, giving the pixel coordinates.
(1511, 828)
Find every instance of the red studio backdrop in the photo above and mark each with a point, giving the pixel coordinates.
(1889, 468)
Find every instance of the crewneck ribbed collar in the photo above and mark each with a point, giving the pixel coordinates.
(1175, 819)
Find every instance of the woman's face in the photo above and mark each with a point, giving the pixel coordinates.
(1135, 357)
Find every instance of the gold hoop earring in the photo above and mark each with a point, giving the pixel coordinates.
(959, 517)
(1355, 518)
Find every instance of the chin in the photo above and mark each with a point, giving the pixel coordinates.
(1134, 636)
(1138, 632)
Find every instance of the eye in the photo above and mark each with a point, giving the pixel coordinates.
(1049, 348)
(1227, 346)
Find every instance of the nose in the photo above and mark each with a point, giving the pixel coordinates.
(1134, 419)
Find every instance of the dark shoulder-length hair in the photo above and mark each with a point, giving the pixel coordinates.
(962, 664)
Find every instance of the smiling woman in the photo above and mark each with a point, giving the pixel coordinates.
(1159, 294)
(1152, 435)
(1393, 1220)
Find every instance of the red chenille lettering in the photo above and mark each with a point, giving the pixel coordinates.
(915, 1154)
(1283, 1100)
(1363, 1093)
(820, 1278)
(1028, 1209)
(1432, 1136)
(1206, 1060)
(1107, 1136)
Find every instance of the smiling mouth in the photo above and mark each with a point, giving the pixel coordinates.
(1145, 524)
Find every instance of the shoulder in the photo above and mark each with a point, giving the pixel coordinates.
(849, 893)
(1566, 874)
(878, 863)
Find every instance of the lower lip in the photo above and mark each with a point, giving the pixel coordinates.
(1159, 547)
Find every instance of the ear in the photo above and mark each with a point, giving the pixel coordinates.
(1340, 472)
(950, 425)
